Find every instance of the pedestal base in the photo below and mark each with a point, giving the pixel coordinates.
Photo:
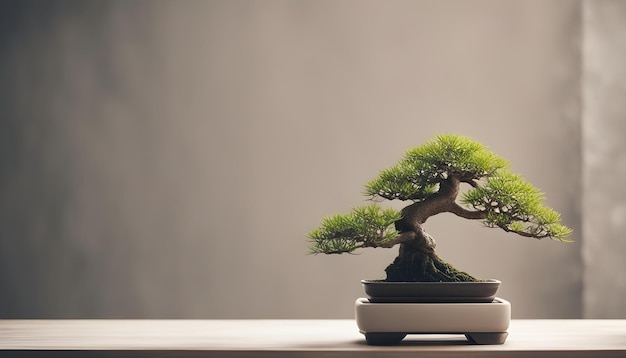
(389, 323)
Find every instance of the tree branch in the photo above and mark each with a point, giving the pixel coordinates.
(467, 214)
(403, 237)
(471, 182)
(524, 233)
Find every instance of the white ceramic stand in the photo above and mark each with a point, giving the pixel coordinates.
(389, 323)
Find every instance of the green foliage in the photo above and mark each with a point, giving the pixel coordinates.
(402, 182)
(418, 174)
(514, 205)
(497, 196)
(365, 226)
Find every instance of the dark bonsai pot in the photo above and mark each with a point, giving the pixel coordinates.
(380, 291)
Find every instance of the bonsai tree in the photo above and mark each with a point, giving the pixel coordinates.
(430, 178)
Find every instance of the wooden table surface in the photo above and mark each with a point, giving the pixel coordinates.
(294, 338)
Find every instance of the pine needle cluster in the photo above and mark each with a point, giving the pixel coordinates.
(421, 170)
(365, 226)
(514, 205)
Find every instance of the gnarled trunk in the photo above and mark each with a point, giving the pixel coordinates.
(417, 261)
(414, 264)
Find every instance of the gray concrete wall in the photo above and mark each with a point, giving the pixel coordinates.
(167, 159)
(604, 159)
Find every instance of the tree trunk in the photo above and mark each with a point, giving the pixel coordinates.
(417, 261)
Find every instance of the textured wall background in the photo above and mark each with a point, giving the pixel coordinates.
(166, 159)
(604, 129)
